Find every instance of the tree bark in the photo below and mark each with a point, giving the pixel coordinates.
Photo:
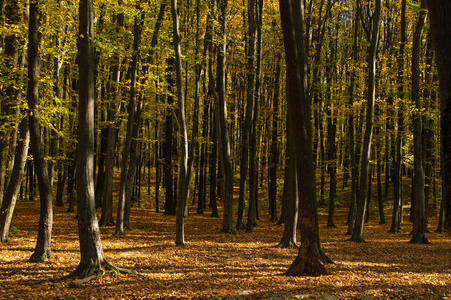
(12, 191)
(42, 250)
(246, 130)
(183, 184)
(397, 178)
(227, 225)
(419, 214)
(440, 18)
(357, 235)
(308, 261)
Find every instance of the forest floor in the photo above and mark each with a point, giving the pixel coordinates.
(225, 266)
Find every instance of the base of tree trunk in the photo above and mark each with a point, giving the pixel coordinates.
(287, 245)
(214, 215)
(356, 239)
(419, 239)
(40, 257)
(324, 258)
(440, 230)
(93, 271)
(391, 230)
(305, 267)
(240, 226)
(331, 225)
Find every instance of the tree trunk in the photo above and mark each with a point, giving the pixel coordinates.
(227, 225)
(133, 154)
(440, 15)
(397, 178)
(42, 251)
(419, 214)
(353, 163)
(357, 235)
(183, 184)
(12, 191)
(169, 208)
(291, 195)
(274, 148)
(91, 251)
(246, 130)
(308, 261)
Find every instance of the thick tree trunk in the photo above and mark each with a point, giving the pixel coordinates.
(42, 251)
(357, 235)
(308, 261)
(92, 257)
(440, 15)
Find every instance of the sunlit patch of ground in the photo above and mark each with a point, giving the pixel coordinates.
(213, 265)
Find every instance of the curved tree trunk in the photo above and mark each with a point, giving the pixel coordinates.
(12, 191)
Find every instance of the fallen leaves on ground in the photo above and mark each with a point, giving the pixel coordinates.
(227, 266)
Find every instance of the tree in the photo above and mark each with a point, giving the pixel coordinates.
(92, 257)
(419, 214)
(183, 184)
(366, 150)
(397, 178)
(42, 250)
(227, 225)
(308, 261)
(290, 196)
(12, 191)
(246, 131)
(440, 18)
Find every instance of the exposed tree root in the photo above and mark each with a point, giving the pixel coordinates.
(93, 271)
(305, 267)
(287, 245)
(419, 239)
(40, 257)
(324, 258)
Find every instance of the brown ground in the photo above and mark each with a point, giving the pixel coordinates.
(213, 265)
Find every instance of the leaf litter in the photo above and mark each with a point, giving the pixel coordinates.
(212, 265)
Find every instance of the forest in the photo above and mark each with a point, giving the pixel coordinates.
(225, 149)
